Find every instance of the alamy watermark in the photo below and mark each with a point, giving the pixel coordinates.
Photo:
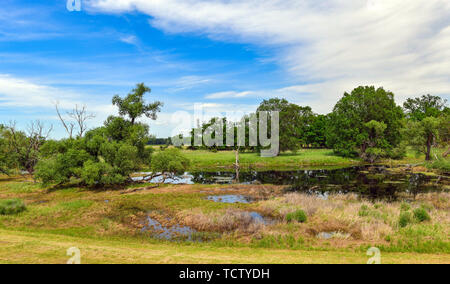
(238, 130)
(375, 254)
(75, 255)
(73, 5)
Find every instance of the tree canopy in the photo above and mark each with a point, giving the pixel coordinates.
(294, 122)
(365, 121)
(426, 106)
(133, 105)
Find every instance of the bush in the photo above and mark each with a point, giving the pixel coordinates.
(441, 164)
(169, 161)
(405, 207)
(299, 216)
(405, 219)
(421, 215)
(363, 211)
(11, 206)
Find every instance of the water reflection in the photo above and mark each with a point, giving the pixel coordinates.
(373, 182)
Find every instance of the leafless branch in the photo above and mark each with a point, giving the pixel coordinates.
(69, 126)
(81, 116)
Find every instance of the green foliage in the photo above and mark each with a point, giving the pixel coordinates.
(421, 215)
(405, 207)
(7, 159)
(170, 161)
(366, 122)
(299, 216)
(422, 134)
(295, 122)
(11, 206)
(134, 105)
(106, 155)
(364, 211)
(441, 164)
(315, 135)
(405, 219)
(418, 109)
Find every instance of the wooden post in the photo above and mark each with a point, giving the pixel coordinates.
(236, 165)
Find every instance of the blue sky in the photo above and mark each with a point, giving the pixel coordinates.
(226, 55)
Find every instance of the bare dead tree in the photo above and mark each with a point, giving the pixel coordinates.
(81, 116)
(26, 145)
(69, 126)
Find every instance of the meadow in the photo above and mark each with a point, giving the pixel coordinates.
(106, 225)
(204, 160)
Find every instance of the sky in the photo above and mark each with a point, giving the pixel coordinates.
(225, 55)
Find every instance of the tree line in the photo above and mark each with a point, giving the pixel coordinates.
(365, 123)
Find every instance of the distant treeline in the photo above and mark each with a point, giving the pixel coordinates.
(159, 141)
(365, 123)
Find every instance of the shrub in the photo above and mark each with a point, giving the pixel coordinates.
(363, 211)
(405, 207)
(405, 219)
(170, 161)
(421, 215)
(299, 216)
(11, 206)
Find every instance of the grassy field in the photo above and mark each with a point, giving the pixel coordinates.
(30, 247)
(106, 226)
(306, 158)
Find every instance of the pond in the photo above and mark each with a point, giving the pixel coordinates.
(373, 182)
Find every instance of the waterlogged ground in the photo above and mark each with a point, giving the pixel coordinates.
(231, 216)
(371, 182)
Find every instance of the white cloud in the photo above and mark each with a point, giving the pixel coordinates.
(339, 44)
(18, 95)
(230, 94)
(130, 39)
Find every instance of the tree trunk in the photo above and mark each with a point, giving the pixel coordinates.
(429, 144)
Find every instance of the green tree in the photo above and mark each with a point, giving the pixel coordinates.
(426, 106)
(134, 105)
(315, 134)
(7, 159)
(105, 155)
(294, 122)
(169, 162)
(428, 123)
(348, 131)
(423, 134)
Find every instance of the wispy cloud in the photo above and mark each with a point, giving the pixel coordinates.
(229, 95)
(404, 46)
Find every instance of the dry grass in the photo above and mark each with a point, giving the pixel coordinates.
(345, 214)
(228, 221)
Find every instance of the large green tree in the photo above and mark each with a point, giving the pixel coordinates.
(105, 155)
(426, 106)
(294, 122)
(428, 123)
(365, 121)
(133, 105)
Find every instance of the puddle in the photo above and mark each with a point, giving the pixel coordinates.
(230, 198)
(181, 179)
(259, 219)
(176, 232)
(332, 235)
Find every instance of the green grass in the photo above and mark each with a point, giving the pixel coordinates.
(11, 206)
(35, 247)
(203, 160)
